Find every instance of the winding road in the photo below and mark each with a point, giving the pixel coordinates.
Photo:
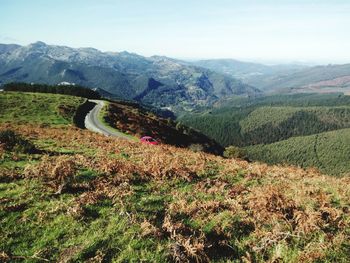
(93, 123)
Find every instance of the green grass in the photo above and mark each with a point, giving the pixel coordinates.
(328, 151)
(45, 225)
(37, 108)
(48, 230)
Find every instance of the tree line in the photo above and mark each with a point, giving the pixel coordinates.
(73, 90)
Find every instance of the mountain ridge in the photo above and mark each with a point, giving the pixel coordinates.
(123, 74)
(285, 78)
(245, 70)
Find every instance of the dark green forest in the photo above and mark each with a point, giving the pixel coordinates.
(244, 121)
(283, 129)
(328, 151)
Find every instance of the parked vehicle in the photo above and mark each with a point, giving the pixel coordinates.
(149, 140)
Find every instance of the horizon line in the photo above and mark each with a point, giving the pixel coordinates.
(253, 60)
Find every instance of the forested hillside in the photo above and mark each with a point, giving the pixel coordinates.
(329, 151)
(271, 124)
(244, 122)
(268, 119)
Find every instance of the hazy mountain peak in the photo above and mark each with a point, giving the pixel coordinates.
(38, 44)
(8, 48)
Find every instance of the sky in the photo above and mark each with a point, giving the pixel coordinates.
(270, 31)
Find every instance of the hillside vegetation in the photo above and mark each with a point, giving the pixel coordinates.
(235, 121)
(271, 124)
(245, 122)
(113, 200)
(275, 115)
(329, 151)
(84, 197)
(136, 120)
(37, 108)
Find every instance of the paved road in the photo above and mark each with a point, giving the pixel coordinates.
(93, 123)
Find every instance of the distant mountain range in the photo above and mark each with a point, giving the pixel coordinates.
(159, 81)
(246, 70)
(319, 79)
(289, 78)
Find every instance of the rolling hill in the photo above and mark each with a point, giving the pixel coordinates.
(84, 197)
(138, 121)
(129, 118)
(159, 81)
(38, 108)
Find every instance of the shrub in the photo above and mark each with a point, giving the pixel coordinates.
(66, 111)
(196, 147)
(59, 172)
(11, 141)
(234, 152)
(180, 127)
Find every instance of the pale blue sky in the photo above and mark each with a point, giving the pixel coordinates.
(310, 31)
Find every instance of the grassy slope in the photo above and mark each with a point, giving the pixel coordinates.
(127, 202)
(38, 108)
(329, 151)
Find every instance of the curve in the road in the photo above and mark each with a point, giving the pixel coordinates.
(93, 123)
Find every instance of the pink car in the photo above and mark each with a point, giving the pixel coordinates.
(148, 140)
